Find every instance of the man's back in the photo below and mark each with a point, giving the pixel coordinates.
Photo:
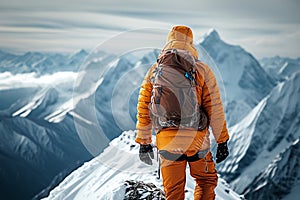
(179, 145)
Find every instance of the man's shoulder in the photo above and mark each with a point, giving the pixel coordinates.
(153, 66)
(149, 74)
(201, 66)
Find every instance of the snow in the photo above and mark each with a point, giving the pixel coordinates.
(210, 32)
(241, 79)
(103, 177)
(294, 194)
(101, 70)
(75, 115)
(240, 141)
(41, 63)
(283, 172)
(279, 67)
(37, 90)
(283, 67)
(54, 87)
(257, 140)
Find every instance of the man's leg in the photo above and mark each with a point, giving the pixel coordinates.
(173, 175)
(205, 175)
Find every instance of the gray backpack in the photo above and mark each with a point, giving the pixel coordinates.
(174, 96)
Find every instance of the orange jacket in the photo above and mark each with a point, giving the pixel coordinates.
(187, 141)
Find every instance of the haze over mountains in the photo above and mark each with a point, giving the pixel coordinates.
(39, 106)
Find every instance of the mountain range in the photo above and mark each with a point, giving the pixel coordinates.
(46, 121)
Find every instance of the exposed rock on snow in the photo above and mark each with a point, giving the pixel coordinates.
(143, 191)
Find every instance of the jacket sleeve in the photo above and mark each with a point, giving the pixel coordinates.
(144, 125)
(212, 103)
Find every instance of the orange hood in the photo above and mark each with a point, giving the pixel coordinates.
(181, 37)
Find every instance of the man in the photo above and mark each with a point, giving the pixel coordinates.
(179, 145)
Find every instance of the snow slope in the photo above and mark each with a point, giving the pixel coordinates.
(272, 126)
(279, 178)
(104, 176)
(33, 152)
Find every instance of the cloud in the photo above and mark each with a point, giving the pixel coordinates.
(67, 25)
(31, 80)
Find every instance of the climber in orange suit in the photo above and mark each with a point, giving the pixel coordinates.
(178, 146)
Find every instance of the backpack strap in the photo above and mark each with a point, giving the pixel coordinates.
(181, 157)
(191, 74)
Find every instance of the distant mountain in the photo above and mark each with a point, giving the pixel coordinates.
(40, 63)
(33, 152)
(272, 126)
(47, 99)
(279, 67)
(245, 81)
(37, 114)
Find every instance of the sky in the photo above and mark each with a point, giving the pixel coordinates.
(262, 27)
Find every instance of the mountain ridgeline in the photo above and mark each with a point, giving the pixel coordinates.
(40, 144)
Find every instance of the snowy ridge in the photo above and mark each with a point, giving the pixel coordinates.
(104, 176)
(274, 127)
(46, 105)
(228, 58)
(36, 91)
(35, 154)
(40, 63)
(245, 81)
(52, 92)
(279, 67)
(277, 180)
(241, 142)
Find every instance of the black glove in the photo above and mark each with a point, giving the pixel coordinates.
(222, 152)
(146, 153)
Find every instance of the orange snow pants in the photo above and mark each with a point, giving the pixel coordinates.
(203, 171)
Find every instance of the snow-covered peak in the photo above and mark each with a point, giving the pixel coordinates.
(105, 176)
(244, 80)
(40, 63)
(80, 53)
(212, 34)
(77, 58)
(241, 73)
(5, 55)
(286, 94)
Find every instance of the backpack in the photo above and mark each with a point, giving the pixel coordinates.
(174, 100)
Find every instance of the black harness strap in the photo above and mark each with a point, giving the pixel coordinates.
(181, 157)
